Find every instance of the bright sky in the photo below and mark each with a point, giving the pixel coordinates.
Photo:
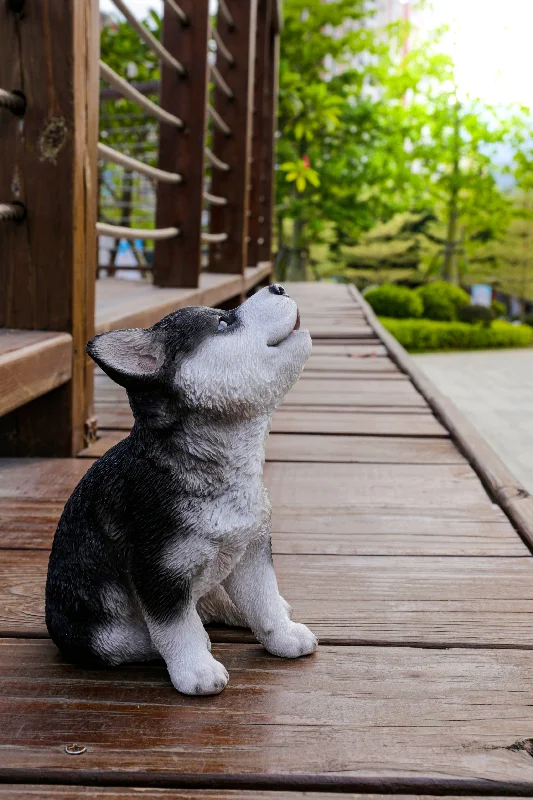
(491, 41)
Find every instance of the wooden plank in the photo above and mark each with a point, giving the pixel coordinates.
(177, 261)
(349, 718)
(504, 487)
(332, 419)
(31, 364)
(47, 478)
(48, 261)
(30, 524)
(358, 449)
(292, 420)
(373, 363)
(29, 792)
(234, 149)
(355, 394)
(412, 600)
(326, 449)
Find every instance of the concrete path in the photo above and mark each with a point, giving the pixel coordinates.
(494, 389)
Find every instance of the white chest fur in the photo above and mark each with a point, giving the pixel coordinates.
(223, 522)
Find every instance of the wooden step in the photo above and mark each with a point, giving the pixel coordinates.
(32, 363)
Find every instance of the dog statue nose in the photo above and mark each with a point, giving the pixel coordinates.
(276, 288)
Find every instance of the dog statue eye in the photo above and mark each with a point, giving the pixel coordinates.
(222, 324)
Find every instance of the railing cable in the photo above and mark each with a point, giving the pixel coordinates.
(149, 38)
(109, 154)
(214, 238)
(215, 161)
(12, 212)
(219, 122)
(14, 102)
(221, 83)
(215, 200)
(226, 13)
(177, 10)
(121, 232)
(132, 94)
(222, 47)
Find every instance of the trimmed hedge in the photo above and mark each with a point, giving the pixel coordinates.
(441, 300)
(420, 335)
(394, 301)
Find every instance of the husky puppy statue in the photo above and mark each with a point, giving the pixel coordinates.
(171, 527)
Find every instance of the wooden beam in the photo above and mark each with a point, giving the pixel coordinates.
(235, 148)
(261, 132)
(264, 250)
(48, 162)
(177, 261)
(32, 363)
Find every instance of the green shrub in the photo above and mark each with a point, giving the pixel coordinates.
(394, 301)
(475, 313)
(528, 319)
(419, 335)
(442, 300)
(498, 309)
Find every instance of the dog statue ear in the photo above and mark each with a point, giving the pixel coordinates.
(128, 356)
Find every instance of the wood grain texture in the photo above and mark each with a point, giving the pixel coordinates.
(28, 792)
(503, 486)
(177, 260)
(431, 601)
(348, 718)
(32, 363)
(328, 448)
(48, 261)
(344, 421)
(260, 219)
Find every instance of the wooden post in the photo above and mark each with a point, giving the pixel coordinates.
(177, 261)
(48, 162)
(262, 135)
(235, 148)
(267, 194)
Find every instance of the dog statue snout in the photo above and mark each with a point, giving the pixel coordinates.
(276, 288)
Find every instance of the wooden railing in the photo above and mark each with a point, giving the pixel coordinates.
(216, 121)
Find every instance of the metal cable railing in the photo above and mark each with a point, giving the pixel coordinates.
(132, 94)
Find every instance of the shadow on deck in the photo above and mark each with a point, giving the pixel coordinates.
(385, 542)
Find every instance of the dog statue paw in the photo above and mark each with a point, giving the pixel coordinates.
(171, 527)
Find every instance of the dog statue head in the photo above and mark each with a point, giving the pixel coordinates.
(239, 362)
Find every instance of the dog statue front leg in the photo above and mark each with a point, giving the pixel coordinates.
(179, 636)
(253, 588)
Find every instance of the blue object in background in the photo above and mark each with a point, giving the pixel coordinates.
(481, 295)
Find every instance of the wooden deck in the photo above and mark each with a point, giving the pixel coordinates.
(385, 542)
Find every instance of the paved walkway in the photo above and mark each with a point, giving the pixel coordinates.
(494, 389)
